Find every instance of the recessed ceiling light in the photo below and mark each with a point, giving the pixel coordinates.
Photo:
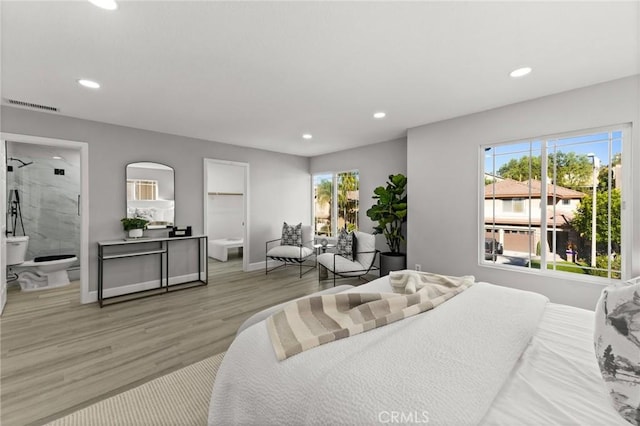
(380, 114)
(520, 72)
(105, 4)
(57, 157)
(307, 136)
(89, 83)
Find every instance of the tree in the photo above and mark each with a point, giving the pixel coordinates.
(348, 207)
(571, 170)
(324, 195)
(566, 169)
(603, 178)
(522, 169)
(583, 218)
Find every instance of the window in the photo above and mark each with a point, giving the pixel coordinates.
(513, 205)
(336, 200)
(142, 189)
(581, 170)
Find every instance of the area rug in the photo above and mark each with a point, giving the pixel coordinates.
(178, 398)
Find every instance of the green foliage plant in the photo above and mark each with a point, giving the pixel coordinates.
(583, 217)
(390, 210)
(129, 223)
(602, 263)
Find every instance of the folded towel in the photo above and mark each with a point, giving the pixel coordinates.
(314, 321)
(409, 282)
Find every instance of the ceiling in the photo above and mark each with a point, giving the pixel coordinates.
(261, 74)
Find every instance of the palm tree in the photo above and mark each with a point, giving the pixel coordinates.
(324, 196)
(348, 184)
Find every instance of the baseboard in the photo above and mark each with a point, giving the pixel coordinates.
(147, 285)
(260, 265)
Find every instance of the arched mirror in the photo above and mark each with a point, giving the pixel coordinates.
(150, 193)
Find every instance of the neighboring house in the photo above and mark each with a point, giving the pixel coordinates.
(489, 177)
(512, 214)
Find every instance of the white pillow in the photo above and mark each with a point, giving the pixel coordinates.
(365, 248)
(617, 346)
(307, 234)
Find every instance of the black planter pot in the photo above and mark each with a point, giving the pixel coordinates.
(392, 262)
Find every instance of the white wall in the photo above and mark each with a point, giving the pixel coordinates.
(443, 181)
(225, 178)
(277, 183)
(375, 163)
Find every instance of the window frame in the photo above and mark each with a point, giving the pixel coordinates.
(136, 183)
(626, 208)
(334, 205)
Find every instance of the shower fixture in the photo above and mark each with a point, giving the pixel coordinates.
(15, 213)
(22, 163)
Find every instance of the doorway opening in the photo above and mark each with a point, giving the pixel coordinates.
(226, 213)
(44, 199)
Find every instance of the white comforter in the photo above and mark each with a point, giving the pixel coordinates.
(444, 366)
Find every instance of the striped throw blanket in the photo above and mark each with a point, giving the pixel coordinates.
(314, 321)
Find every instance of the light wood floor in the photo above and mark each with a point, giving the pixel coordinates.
(58, 356)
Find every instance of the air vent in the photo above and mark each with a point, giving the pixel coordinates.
(32, 105)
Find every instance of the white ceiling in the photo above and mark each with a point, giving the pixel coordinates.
(261, 74)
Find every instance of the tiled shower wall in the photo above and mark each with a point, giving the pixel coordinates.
(49, 204)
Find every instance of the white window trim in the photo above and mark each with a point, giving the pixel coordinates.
(626, 210)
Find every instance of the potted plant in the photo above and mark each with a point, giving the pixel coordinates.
(390, 212)
(134, 225)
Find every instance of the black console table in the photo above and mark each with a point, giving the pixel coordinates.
(107, 251)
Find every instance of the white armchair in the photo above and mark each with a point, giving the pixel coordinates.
(294, 247)
(363, 262)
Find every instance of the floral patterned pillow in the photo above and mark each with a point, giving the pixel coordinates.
(291, 235)
(345, 245)
(617, 345)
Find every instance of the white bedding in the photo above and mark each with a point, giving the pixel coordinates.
(447, 364)
(555, 380)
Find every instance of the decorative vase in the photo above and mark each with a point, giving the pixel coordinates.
(135, 233)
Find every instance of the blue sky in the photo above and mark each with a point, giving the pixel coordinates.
(597, 143)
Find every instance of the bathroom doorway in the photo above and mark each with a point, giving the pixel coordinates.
(226, 214)
(45, 195)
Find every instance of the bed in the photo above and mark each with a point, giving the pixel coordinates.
(219, 249)
(460, 363)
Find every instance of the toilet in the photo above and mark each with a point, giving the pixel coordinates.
(48, 271)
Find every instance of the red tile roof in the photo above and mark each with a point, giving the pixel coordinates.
(561, 220)
(510, 188)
